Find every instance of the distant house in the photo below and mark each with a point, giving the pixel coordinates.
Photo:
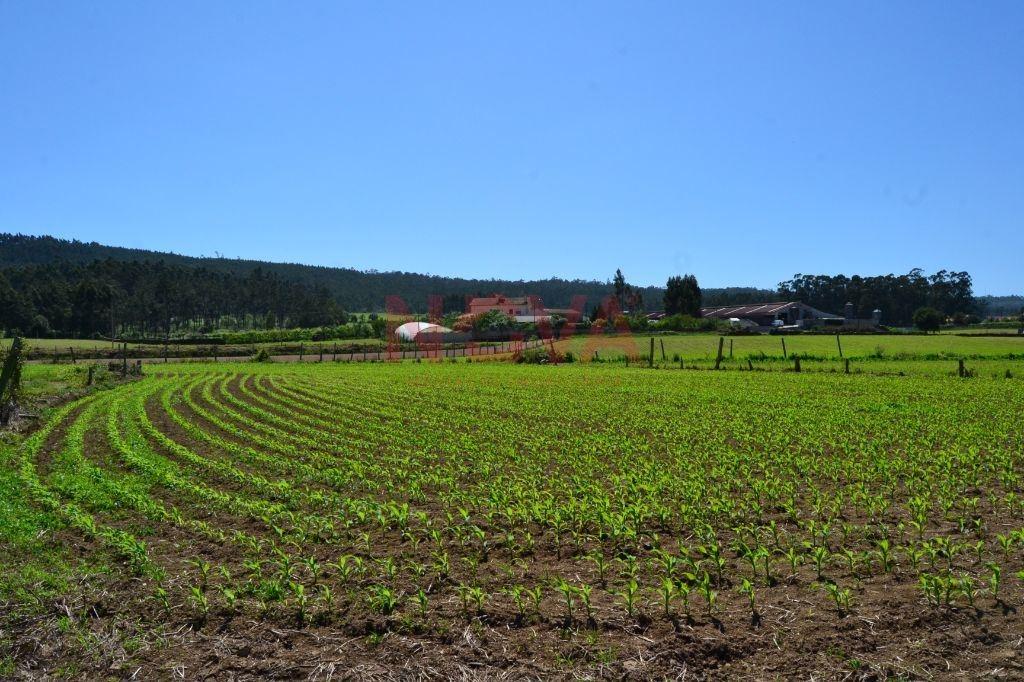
(522, 308)
(788, 313)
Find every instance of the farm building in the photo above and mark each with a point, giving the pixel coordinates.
(788, 313)
(410, 330)
(523, 308)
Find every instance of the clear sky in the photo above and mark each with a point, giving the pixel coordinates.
(743, 142)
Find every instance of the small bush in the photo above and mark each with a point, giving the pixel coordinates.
(537, 356)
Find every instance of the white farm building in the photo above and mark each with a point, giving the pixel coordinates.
(410, 330)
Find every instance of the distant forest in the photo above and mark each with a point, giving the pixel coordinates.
(51, 286)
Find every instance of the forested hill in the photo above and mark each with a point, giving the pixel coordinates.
(353, 290)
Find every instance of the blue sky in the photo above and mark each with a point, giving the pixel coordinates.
(743, 142)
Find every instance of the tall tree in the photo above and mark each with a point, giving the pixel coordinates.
(682, 296)
(620, 288)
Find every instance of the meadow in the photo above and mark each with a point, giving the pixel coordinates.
(61, 350)
(884, 347)
(454, 518)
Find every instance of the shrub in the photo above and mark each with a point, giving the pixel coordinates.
(537, 356)
(928, 319)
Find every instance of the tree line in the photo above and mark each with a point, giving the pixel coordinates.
(897, 296)
(351, 290)
(51, 286)
(147, 298)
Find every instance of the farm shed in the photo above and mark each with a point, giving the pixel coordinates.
(766, 314)
(410, 330)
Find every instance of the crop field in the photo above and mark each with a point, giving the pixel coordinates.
(474, 519)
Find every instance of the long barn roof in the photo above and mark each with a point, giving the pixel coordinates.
(756, 309)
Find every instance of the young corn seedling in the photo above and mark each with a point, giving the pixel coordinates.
(747, 587)
(1005, 543)
(326, 597)
(994, 579)
(441, 564)
(684, 595)
(477, 596)
(569, 597)
(601, 564)
(710, 595)
(161, 597)
(630, 569)
(422, 603)
(914, 556)
(516, 593)
(628, 595)
(314, 568)
(765, 555)
(979, 551)
(230, 598)
(383, 600)
(535, 595)
(966, 587)
(301, 602)
(794, 558)
(668, 593)
(841, 596)
(820, 556)
(931, 589)
(389, 567)
(197, 596)
(463, 592)
(584, 591)
(885, 555)
(345, 567)
(204, 572)
(713, 552)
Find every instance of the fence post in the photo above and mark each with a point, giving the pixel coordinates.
(72, 349)
(321, 352)
(650, 361)
(662, 349)
(721, 343)
(840, 346)
(796, 365)
(961, 372)
(124, 359)
(784, 356)
(750, 365)
(335, 355)
(847, 365)
(730, 349)
(302, 349)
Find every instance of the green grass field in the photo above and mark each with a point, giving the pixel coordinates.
(60, 349)
(889, 347)
(565, 520)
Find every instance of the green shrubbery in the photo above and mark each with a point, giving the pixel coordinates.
(541, 356)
